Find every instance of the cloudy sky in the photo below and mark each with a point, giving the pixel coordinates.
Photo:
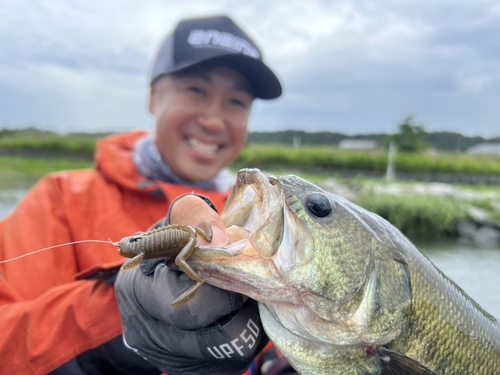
(350, 66)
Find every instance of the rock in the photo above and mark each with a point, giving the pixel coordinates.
(467, 229)
(482, 230)
(482, 218)
(487, 236)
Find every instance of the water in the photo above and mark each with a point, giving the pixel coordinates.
(13, 188)
(476, 270)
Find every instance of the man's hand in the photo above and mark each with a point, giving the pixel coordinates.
(191, 209)
(216, 332)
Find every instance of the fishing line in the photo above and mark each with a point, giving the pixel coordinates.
(54, 246)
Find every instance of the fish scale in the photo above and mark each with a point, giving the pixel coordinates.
(444, 326)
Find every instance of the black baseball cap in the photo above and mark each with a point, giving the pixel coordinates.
(214, 39)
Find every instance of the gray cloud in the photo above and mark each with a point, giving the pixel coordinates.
(347, 66)
(435, 62)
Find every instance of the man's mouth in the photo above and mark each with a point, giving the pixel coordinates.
(203, 147)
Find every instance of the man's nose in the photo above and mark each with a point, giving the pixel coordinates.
(212, 117)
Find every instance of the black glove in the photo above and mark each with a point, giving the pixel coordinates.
(216, 332)
(213, 333)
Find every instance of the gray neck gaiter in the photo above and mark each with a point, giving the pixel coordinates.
(150, 164)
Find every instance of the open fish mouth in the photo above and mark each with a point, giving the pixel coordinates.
(254, 215)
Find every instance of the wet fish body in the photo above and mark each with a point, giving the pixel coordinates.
(340, 290)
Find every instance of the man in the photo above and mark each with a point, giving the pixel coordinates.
(58, 309)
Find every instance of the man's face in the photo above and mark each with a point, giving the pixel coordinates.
(201, 120)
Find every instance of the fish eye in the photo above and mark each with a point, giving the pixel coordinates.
(318, 205)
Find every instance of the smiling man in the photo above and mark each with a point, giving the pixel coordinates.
(204, 80)
(201, 119)
(64, 318)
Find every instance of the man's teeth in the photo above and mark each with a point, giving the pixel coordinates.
(208, 148)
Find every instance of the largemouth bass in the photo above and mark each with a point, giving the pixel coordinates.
(342, 291)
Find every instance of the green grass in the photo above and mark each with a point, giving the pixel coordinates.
(420, 215)
(309, 159)
(334, 159)
(41, 166)
(76, 145)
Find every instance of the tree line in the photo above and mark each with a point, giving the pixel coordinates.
(410, 137)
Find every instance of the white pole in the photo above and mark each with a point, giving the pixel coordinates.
(391, 168)
(296, 141)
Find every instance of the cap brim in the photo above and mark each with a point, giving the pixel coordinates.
(264, 82)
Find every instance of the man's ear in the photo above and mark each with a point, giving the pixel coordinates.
(152, 100)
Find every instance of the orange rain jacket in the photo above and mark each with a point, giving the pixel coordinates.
(48, 316)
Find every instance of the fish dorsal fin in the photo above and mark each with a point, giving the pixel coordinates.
(394, 363)
(132, 263)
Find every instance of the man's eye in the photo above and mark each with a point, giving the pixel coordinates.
(196, 90)
(239, 103)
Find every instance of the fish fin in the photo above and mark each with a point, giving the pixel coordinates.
(394, 363)
(132, 263)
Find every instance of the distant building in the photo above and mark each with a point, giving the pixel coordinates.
(485, 148)
(358, 144)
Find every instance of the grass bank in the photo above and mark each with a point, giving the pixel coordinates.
(418, 217)
(33, 142)
(307, 159)
(424, 211)
(423, 215)
(40, 166)
(334, 159)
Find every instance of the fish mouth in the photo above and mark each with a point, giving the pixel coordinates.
(253, 214)
(254, 217)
